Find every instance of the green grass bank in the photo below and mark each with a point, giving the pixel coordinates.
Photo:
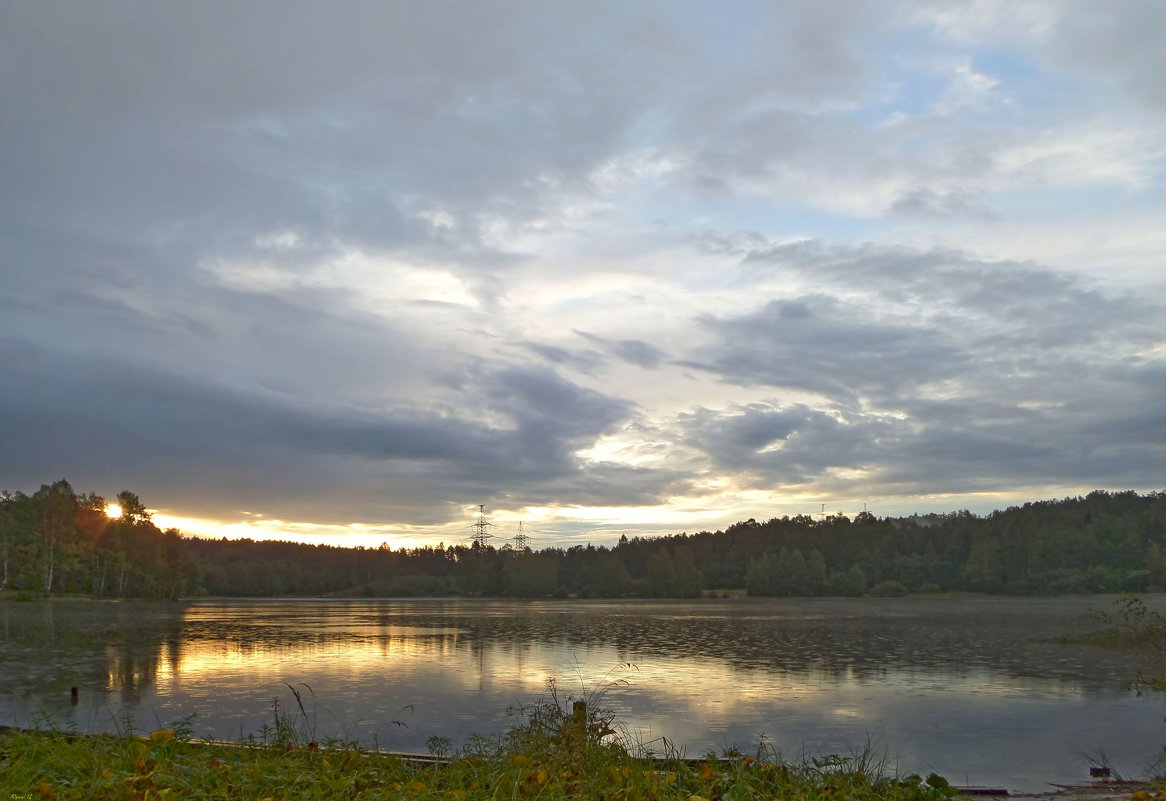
(557, 752)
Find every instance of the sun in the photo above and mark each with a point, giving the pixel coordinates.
(113, 510)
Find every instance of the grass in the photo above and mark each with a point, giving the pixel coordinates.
(561, 749)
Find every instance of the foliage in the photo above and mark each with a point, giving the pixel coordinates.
(59, 541)
(1132, 623)
(559, 751)
(1105, 542)
(1132, 627)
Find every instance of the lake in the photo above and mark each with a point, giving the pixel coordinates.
(975, 689)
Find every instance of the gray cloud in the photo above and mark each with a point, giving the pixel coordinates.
(926, 202)
(633, 351)
(1003, 373)
(198, 442)
(820, 344)
(1120, 49)
(585, 361)
(330, 260)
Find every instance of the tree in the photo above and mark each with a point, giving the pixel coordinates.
(56, 510)
(661, 575)
(816, 572)
(759, 576)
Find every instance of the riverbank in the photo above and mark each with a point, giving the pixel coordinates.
(559, 757)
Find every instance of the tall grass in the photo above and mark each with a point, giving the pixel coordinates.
(563, 747)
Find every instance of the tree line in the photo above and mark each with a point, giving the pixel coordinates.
(58, 541)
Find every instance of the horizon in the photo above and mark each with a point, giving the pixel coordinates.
(456, 534)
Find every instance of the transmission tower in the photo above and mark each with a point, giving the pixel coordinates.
(481, 527)
(521, 539)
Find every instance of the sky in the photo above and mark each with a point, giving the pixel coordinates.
(340, 272)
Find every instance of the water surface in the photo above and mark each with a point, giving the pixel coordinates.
(978, 690)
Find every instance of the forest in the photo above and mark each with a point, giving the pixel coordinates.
(56, 541)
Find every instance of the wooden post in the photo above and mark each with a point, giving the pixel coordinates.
(579, 720)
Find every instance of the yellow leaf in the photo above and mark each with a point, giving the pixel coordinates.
(669, 778)
(45, 791)
(270, 798)
(106, 773)
(697, 798)
(218, 763)
(706, 771)
(162, 735)
(541, 777)
(418, 786)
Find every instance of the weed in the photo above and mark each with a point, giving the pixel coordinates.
(562, 747)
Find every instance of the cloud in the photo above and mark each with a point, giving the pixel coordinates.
(936, 369)
(926, 202)
(200, 442)
(384, 261)
(633, 351)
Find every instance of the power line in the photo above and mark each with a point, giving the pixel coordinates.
(481, 527)
(521, 539)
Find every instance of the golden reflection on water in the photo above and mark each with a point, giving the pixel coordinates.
(354, 651)
(822, 675)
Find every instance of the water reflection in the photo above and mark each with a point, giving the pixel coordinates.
(963, 687)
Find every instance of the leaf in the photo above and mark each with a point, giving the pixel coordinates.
(706, 770)
(45, 790)
(162, 735)
(937, 781)
(541, 776)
